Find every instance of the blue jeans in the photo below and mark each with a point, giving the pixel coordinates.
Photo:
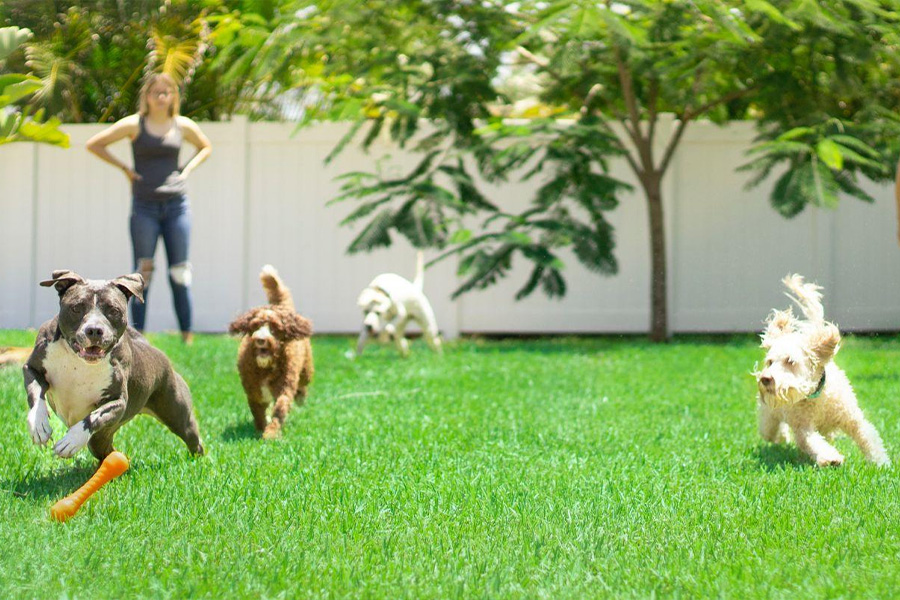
(172, 220)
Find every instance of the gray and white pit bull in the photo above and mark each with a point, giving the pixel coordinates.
(98, 373)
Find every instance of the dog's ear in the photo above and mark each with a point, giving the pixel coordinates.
(62, 280)
(131, 285)
(295, 327)
(241, 325)
(370, 299)
(824, 343)
(780, 322)
(366, 297)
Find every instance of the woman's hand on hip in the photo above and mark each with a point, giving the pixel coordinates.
(131, 175)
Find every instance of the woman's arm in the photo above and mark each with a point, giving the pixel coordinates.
(196, 137)
(124, 128)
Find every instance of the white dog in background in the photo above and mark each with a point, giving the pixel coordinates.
(389, 303)
(801, 391)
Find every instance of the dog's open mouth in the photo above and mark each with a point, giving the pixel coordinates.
(89, 353)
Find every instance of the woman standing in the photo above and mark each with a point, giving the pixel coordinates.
(159, 206)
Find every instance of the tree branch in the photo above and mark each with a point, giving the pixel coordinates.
(671, 146)
(634, 140)
(642, 144)
(652, 106)
(692, 114)
(627, 83)
(634, 166)
(585, 106)
(541, 62)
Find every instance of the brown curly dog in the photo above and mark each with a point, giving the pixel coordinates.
(275, 357)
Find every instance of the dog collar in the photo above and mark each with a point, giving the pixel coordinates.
(819, 388)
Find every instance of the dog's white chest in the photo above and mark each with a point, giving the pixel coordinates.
(75, 386)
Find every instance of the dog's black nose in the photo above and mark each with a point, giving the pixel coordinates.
(766, 380)
(93, 333)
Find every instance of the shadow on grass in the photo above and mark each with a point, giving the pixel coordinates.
(55, 485)
(889, 376)
(588, 343)
(774, 457)
(237, 432)
(568, 345)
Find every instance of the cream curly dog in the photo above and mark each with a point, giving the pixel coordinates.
(801, 391)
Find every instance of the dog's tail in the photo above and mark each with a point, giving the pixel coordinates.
(419, 281)
(277, 292)
(807, 296)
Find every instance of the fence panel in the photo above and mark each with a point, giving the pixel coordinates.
(262, 198)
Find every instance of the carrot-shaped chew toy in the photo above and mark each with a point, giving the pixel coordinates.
(112, 466)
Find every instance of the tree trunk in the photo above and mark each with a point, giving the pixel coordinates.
(659, 315)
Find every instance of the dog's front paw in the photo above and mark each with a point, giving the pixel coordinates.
(830, 460)
(272, 432)
(75, 439)
(881, 460)
(782, 435)
(39, 424)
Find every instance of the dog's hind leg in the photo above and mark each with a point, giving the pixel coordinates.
(173, 407)
(306, 376)
(398, 332)
(425, 319)
(433, 339)
(866, 437)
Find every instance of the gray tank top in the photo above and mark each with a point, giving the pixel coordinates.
(156, 161)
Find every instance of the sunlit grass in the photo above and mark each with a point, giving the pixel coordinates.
(516, 468)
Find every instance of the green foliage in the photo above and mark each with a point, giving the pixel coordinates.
(22, 124)
(822, 80)
(821, 161)
(90, 56)
(827, 101)
(433, 199)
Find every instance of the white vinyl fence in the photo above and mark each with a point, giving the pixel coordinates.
(261, 198)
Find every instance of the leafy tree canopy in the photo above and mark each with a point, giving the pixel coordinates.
(22, 125)
(820, 78)
(587, 81)
(90, 56)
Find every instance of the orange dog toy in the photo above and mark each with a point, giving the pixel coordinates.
(112, 466)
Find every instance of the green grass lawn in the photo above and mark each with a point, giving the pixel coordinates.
(557, 468)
